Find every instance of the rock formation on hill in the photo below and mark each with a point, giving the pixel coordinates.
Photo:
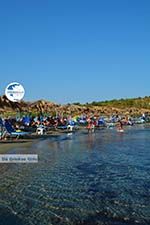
(42, 106)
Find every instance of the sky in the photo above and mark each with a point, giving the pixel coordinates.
(76, 51)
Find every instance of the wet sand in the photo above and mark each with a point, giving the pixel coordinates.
(7, 145)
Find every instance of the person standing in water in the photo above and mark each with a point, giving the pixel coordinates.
(120, 126)
(90, 126)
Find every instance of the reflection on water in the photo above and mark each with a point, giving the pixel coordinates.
(99, 178)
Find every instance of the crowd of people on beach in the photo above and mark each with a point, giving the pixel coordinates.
(40, 125)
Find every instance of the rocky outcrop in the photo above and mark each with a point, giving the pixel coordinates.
(42, 106)
(6, 105)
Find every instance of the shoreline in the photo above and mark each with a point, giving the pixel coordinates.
(6, 146)
(9, 144)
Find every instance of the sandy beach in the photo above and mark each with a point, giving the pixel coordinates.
(6, 146)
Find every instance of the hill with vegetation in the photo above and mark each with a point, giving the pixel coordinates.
(134, 107)
(122, 103)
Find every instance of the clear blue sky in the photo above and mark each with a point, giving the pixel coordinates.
(76, 50)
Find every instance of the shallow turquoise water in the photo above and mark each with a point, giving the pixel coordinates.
(100, 178)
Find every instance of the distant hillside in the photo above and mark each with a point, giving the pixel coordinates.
(122, 103)
(134, 106)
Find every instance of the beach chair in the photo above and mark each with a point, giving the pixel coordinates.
(26, 120)
(14, 133)
(2, 129)
(41, 130)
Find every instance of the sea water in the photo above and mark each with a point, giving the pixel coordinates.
(98, 178)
